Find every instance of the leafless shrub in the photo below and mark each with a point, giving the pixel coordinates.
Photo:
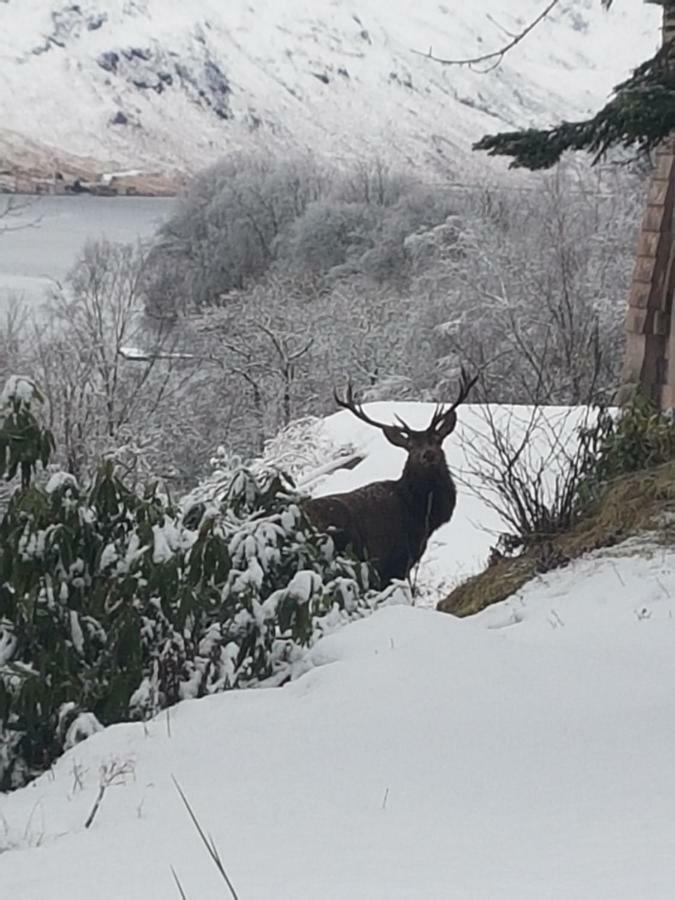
(114, 772)
(533, 291)
(105, 396)
(529, 464)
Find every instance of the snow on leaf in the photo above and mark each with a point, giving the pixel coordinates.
(76, 634)
(61, 480)
(20, 390)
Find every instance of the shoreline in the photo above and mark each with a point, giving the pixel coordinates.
(114, 184)
(84, 192)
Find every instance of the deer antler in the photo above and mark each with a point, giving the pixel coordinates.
(465, 385)
(357, 409)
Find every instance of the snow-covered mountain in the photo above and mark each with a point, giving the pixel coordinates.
(165, 86)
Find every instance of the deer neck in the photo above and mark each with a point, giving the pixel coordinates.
(430, 496)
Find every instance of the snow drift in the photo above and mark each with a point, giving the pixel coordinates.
(521, 755)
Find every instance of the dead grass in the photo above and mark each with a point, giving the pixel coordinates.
(636, 503)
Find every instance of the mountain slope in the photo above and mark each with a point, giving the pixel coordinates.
(165, 87)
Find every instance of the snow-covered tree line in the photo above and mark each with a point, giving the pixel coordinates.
(276, 280)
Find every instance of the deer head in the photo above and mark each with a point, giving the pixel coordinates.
(424, 448)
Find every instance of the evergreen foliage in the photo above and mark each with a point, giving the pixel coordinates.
(640, 438)
(640, 115)
(112, 608)
(23, 442)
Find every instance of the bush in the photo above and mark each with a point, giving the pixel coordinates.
(616, 480)
(331, 233)
(223, 233)
(640, 438)
(112, 608)
(543, 470)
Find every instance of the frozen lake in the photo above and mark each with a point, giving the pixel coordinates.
(32, 257)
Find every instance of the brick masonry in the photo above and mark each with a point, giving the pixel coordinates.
(649, 360)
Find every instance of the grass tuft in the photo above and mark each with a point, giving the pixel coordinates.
(629, 505)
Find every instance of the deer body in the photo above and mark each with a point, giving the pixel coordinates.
(386, 522)
(389, 522)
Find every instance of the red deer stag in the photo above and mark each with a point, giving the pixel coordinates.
(390, 522)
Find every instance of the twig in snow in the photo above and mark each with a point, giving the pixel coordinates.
(78, 772)
(207, 840)
(178, 884)
(111, 773)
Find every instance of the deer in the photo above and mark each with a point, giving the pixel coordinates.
(389, 523)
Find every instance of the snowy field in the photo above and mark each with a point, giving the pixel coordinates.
(528, 752)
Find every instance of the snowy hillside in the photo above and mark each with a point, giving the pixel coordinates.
(521, 755)
(162, 87)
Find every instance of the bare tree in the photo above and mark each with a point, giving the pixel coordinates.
(263, 350)
(224, 233)
(531, 292)
(98, 401)
(13, 215)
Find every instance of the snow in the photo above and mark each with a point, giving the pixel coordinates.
(7, 643)
(524, 753)
(521, 754)
(461, 547)
(18, 389)
(165, 539)
(76, 633)
(322, 75)
(423, 756)
(59, 481)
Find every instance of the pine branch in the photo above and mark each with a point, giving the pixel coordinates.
(640, 115)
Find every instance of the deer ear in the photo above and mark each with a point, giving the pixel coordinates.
(396, 437)
(447, 424)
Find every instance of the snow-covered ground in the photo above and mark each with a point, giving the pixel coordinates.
(461, 547)
(164, 86)
(526, 753)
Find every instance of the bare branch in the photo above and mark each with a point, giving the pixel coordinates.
(496, 56)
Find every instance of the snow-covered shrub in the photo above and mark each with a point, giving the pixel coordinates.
(112, 608)
(23, 442)
(300, 450)
(639, 438)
